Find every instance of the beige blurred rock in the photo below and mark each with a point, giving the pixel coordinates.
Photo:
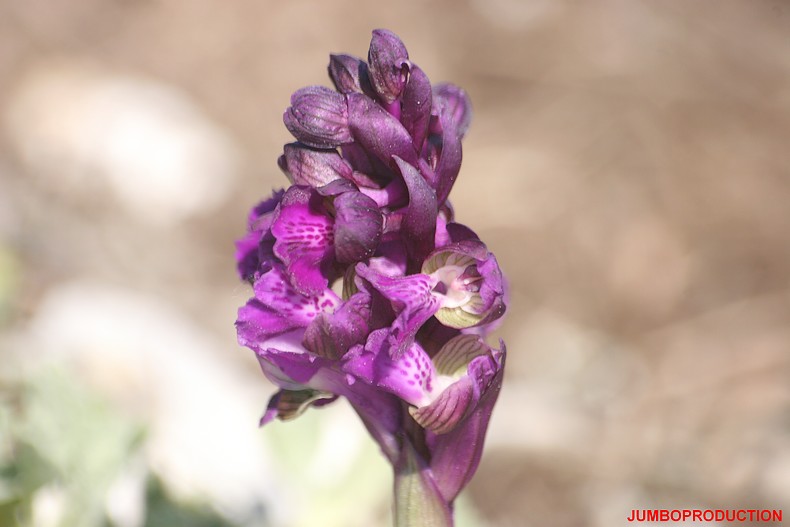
(93, 134)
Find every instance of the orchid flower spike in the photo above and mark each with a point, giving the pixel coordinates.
(367, 213)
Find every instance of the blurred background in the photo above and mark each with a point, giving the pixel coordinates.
(628, 163)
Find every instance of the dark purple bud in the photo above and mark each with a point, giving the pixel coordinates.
(318, 117)
(449, 164)
(378, 132)
(416, 106)
(337, 187)
(369, 171)
(308, 166)
(389, 65)
(349, 74)
(419, 223)
(453, 107)
(358, 226)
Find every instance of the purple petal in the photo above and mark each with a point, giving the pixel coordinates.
(288, 365)
(492, 290)
(389, 64)
(257, 322)
(307, 166)
(378, 132)
(416, 106)
(409, 376)
(381, 414)
(318, 117)
(420, 220)
(459, 232)
(250, 255)
(337, 187)
(455, 455)
(277, 308)
(358, 158)
(369, 171)
(453, 107)
(469, 359)
(304, 235)
(411, 299)
(349, 74)
(358, 226)
(332, 335)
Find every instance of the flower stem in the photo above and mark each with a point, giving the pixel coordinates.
(418, 502)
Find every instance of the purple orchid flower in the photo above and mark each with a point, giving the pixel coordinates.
(371, 170)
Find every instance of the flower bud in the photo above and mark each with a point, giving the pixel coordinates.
(453, 107)
(318, 117)
(349, 74)
(316, 168)
(389, 65)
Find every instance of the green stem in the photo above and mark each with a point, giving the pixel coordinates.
(418, 502)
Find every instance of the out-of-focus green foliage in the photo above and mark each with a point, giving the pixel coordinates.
(61, 442)
(306, 451)
(161, 511)
(65, 439)
(9, 278)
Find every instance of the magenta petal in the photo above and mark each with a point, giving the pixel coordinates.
(318, 117)
(378, 132)
(313, 167)
(275, 291)
(358, 226)
(389, 64)
(258, 321)
(250, 254)
(278, 308)
(304, 235)
(409, 376)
